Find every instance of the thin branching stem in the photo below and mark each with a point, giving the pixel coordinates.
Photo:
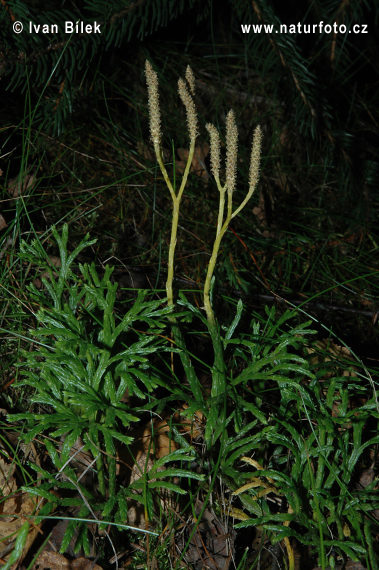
(176, 199)
(230, 175)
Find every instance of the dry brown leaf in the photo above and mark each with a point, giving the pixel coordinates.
(212, 544)
(366, 478)
(282, 180)
(156, 438)
(197, 166)
(191, 426)
(49, 560)
(332, 352)
(260, 213)
(27, 450)
(84, 564)
(54, 261)
(147, 152)
(153, 443)
(14, 513)
(7, 481)
(350, 565)
(16, 188)
(9, 242)
(3, 223)
(198, 161)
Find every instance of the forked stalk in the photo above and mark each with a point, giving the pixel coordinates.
(186, 90)
(228, 188)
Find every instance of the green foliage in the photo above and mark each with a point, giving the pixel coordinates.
(135, 20)
(262, 397)
(83, 366)
(313, 446)
(264, 370)
(65, 61)
(288, 55)
(147, 488)
(60, 66)
(84, 361)
(16, 553)
(85, 357)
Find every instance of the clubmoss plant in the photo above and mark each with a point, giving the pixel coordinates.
(227, 189)
(85, 358)
(186, 89)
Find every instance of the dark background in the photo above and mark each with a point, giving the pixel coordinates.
(74, 116)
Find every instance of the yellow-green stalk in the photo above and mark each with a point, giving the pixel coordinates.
(155, 133)
(186, 89)
(228, 189)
